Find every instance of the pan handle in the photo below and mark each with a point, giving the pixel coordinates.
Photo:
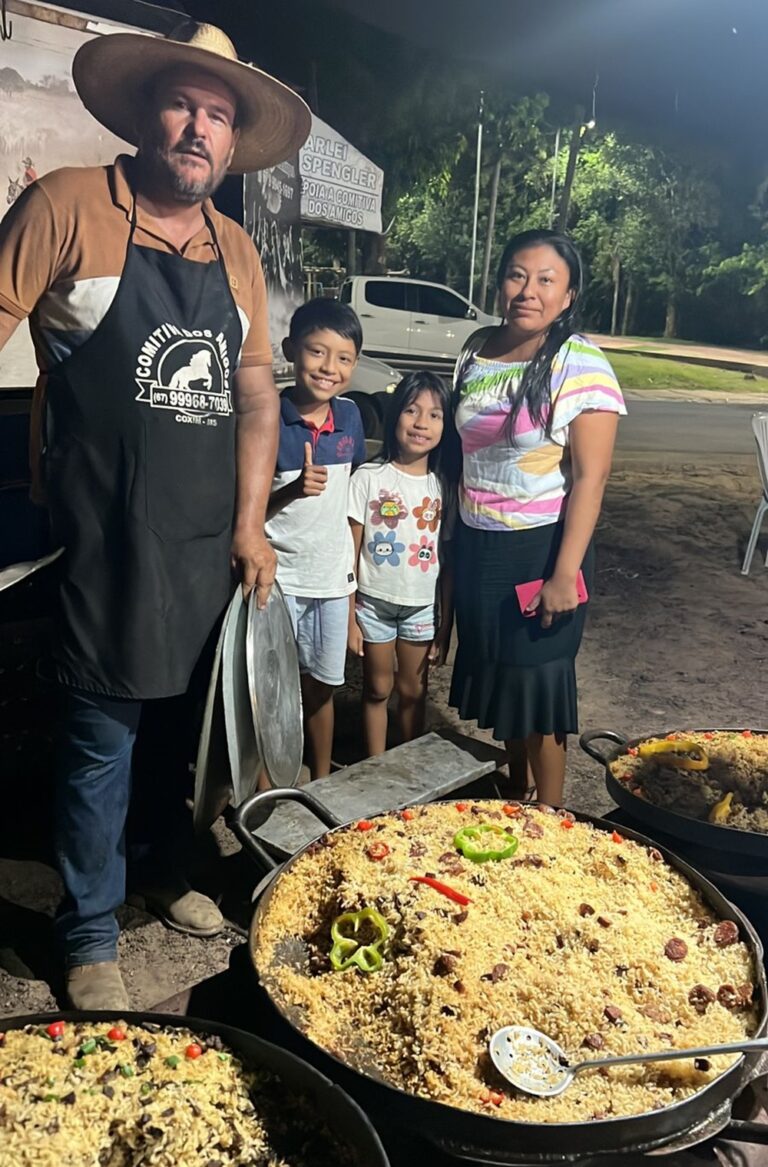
(745, 1132)
(280, 794)
(586, 739)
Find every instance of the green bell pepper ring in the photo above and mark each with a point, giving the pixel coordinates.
(485, 841)
(347, 949)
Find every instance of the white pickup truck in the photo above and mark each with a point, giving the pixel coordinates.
(412, 319)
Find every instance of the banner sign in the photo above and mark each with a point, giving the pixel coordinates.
(340, 187)
(272, 219)
(44, 125)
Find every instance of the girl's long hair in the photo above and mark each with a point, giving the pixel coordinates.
(535, 390)
(409, 388)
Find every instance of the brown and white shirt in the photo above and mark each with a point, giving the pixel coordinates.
(63, 246)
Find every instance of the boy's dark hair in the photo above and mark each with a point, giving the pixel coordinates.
(331, 314)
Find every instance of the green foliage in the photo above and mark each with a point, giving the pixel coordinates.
(749, 269)
(664, 246)
(643, 215)
(431, 233)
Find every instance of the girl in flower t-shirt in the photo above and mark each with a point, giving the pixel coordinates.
(395, 509)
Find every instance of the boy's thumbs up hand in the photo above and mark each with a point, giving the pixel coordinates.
(312, 479)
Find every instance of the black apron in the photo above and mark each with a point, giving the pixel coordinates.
(140, 475)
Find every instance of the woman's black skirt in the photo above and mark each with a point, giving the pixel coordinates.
(510, 674)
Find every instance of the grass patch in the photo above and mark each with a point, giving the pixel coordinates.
(638, 372)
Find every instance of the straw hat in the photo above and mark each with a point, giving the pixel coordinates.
(111, 74)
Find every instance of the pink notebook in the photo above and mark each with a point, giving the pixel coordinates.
(527, 591)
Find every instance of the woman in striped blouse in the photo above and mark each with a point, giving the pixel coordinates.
(537, 408)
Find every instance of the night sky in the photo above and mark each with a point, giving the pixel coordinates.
(695, 67)
(690, 70)
(692, 73)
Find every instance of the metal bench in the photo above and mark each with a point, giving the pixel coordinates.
(424, 770)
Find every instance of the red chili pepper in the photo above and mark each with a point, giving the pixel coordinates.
(633, 751)
(365, 825)
(708, 736)
(377, 851)
(462, 805)
(511, 810)
(491, 1096)
(654, 885)
(407, 815)
(116, 1035)
(566, 824)
(55, 1029)
(617, 838)
(747, 733)
(443, 888)
(193, 1051)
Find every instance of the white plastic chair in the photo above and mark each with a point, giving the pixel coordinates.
(760, 429)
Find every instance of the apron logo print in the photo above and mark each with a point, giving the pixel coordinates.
(186, 371)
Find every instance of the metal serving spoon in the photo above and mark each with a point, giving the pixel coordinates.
(536, 1064)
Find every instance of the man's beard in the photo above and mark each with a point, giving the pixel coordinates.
(158, 163)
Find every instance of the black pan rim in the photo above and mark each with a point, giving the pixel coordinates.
(755, 841)
(369, 1135)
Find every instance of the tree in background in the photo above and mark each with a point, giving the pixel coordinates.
(651, 221)
(742, 278)
(431, 233)
(645, 220)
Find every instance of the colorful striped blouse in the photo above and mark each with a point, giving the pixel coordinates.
(504, 486)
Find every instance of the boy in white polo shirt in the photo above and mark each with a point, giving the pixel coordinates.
(321, 440)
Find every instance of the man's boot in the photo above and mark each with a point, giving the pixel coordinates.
(97, 986)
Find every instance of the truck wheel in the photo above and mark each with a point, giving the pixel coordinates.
(369, 411)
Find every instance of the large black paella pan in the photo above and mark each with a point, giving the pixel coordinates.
(309, 1119)
(479, 1136)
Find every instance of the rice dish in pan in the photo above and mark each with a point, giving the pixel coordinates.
(400, 944)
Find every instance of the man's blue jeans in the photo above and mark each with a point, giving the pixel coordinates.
(93, 791)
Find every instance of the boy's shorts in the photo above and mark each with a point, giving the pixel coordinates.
(321, 628)
(382, 622)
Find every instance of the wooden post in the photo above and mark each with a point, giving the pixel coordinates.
(491, 226)
(573, 154)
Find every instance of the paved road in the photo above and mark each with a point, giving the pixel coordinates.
(686, 427)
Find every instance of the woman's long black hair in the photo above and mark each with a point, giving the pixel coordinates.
(535, 390)
(419, 381)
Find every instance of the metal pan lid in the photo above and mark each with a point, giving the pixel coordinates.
(18, 572)
(273, 680)
(245, 760)
(213, 782)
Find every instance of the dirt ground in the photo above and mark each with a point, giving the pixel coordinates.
(676, 637)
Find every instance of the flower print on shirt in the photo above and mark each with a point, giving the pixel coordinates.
(388, 509)
(428, 515)
(383, 549)
(423, 553)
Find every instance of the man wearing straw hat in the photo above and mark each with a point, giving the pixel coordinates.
(154, 437)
